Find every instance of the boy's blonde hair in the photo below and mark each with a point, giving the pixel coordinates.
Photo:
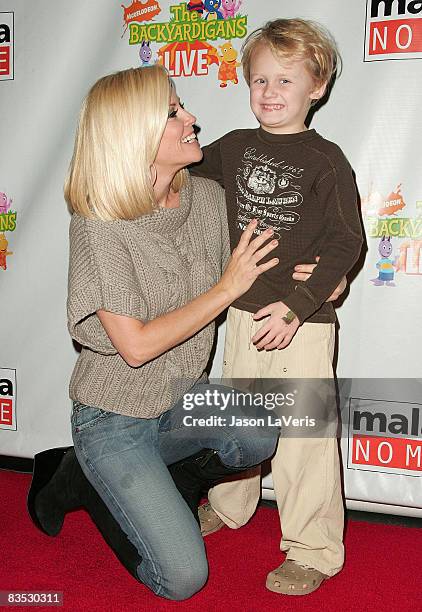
(296, 39)
(120, 127)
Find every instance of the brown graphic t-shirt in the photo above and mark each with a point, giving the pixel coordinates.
(302, 186)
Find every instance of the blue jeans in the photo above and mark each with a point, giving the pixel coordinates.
(126, 459)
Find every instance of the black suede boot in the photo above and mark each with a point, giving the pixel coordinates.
(196, 474)
(50, 495)
(59, 486)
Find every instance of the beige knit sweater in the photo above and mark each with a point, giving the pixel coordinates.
(144, 268)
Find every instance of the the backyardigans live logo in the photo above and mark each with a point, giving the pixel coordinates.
(382, 221)
(7, 224)
(186, 50)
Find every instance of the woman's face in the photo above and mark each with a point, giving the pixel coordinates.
(179, 146)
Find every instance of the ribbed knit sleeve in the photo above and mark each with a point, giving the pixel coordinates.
(225, 238)
(211, 167)
(218, 195)
(101, 276)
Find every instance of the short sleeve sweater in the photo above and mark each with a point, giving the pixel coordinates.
(144, 268)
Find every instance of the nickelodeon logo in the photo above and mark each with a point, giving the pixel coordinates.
(393, 30)
(6, 46)
(7, 399)
(387, 439)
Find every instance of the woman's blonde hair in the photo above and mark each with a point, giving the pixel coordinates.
(296, 39)
(120, 127)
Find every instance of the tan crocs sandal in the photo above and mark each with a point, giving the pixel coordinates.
(294, 578)
(209, 520)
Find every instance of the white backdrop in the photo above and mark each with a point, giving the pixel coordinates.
(57, 49)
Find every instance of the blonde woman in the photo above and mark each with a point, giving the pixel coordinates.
(148, 246)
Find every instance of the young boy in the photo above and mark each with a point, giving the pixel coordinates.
(292, 179)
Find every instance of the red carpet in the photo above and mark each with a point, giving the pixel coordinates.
(382, 572)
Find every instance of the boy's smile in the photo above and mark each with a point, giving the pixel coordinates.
(281, 92)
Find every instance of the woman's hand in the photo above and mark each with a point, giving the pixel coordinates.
(303, 272)
(243, 269)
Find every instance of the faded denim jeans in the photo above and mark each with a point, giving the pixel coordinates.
(126, 460)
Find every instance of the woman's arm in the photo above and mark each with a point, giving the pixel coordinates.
(303, 272)
(139, 342)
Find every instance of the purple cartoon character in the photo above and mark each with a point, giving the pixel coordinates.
(5, 203)
(145, 53)
(229, 8)
(386, 264)
(212, 8)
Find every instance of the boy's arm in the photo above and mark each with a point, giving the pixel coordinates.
(281, 324)
(211, 166)
(341, 246)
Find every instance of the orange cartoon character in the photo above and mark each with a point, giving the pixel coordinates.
(3, 251)
(228, 64)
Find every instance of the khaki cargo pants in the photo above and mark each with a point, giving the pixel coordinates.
(305, 471)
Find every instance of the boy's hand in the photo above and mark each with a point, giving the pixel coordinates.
(276, 333)
(303, 272)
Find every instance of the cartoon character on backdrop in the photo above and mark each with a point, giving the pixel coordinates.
(145, 53)
(228, 65)
(386, 265)
(196, 6)
(212, 8)
(229, 8)
(5, 203)
(3, 251)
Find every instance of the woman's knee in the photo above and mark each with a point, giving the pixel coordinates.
(179, 570)
(268, 442)
(185, 582)
(258, 445)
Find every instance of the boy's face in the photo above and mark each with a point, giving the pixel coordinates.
(280, 92)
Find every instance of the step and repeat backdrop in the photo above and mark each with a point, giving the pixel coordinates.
(51, 52)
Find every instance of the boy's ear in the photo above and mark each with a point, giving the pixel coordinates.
(318, 93)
